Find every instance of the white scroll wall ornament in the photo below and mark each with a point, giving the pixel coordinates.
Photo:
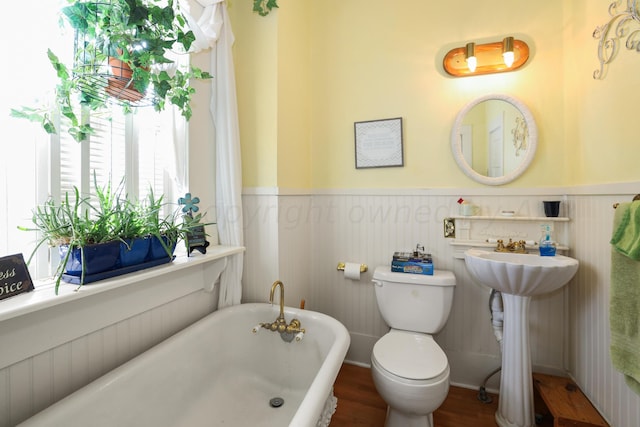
(622, 27)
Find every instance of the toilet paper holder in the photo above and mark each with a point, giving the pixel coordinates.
(363, 267)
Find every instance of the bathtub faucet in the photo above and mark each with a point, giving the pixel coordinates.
(287, 331)
(280, 320)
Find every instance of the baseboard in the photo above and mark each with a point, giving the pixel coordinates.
(360, 349)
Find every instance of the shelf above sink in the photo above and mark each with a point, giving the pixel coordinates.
(474, 231)
(510, 218)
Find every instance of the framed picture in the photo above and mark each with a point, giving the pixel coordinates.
(379, 143)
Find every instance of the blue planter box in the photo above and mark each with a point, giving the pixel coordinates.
(157, 249)
(105, 260)
(97, 258)
(134, 251)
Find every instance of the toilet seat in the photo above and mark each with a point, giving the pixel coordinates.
(410, 355)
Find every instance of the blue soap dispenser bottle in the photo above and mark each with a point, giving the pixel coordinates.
(547, 245)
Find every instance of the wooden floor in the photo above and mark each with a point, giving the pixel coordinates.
(360, 405)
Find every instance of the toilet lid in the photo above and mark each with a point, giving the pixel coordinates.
(410, 355)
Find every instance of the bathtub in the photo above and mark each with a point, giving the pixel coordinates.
(217, 372)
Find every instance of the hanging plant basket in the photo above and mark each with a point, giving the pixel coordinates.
(120, 56)
(100, 68)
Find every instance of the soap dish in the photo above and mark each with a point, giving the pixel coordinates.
(507, 213)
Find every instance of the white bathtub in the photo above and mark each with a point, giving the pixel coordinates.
(217, 372)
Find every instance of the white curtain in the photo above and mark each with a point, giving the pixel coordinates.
(213, 30)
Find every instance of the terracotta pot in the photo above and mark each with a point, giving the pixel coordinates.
(120, 85)
(120, 69)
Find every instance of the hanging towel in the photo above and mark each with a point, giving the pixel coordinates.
(624, 308)
(626, 233)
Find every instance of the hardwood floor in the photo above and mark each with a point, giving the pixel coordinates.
(360, 405)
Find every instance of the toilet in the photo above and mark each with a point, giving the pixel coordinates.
(410, 371)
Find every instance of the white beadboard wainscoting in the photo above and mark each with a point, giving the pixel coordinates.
(53, 345)
(299, 238)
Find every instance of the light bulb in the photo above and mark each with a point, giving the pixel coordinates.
(508, 58)
(470, 56)
(507, 51)
(472, 63)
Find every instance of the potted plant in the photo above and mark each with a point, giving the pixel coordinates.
(121, 52)
(110, 236)
(87, 245)
(167, 231)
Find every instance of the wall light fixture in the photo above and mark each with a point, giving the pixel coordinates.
(475, 59)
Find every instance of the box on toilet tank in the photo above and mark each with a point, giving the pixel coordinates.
(412, 262)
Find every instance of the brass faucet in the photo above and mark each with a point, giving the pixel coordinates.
(280, 324)
(280, 321)
(518, 247)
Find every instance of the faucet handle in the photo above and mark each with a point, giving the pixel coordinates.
(523, 245)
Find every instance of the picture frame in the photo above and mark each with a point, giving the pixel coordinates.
(378, 143)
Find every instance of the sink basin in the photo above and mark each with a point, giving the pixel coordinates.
(520, 274)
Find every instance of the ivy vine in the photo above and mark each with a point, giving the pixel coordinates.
(263, 7)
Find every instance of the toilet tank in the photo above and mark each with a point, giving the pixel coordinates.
(414, 302)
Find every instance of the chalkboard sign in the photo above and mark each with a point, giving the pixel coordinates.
(196, 240)
(14, 276)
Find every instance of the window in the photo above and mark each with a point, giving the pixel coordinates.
(35, 166)
(131, 148)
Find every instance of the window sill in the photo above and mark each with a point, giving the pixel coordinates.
(39, 320)
(44, 297)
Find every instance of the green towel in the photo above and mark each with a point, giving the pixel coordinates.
(626, 230)
(624, 308)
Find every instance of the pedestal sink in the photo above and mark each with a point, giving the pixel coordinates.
(518, 277)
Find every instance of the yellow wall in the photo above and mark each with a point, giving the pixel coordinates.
(311, 69)
(294, 87)
(256, 65)
(602, 115)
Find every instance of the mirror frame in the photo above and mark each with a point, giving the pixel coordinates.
(456, 147)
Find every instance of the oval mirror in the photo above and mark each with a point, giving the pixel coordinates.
(494, 139)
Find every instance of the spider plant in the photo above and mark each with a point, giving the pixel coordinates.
(77, 222)
(69, 225)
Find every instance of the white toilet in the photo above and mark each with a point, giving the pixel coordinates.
(410, 371)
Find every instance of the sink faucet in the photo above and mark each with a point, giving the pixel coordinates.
(516, 247)
(280, 324)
